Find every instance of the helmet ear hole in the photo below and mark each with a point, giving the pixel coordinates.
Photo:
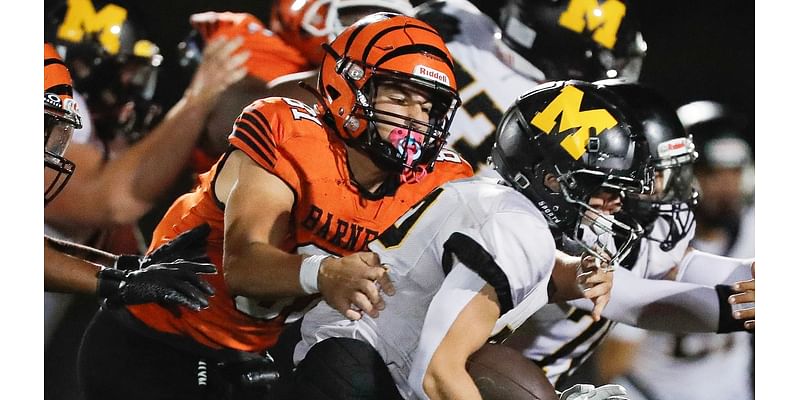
(332, 92)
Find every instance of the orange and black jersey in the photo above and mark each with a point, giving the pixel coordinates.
(284, 137)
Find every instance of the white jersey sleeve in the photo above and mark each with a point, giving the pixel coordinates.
(661, 305)
(710, 269)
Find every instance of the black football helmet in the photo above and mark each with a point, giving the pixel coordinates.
(112, 64)
(719, 133)
(583, 137)
(672, 155)
(575, 39)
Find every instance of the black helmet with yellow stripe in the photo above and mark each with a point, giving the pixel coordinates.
(114, 67)
(574, 39)
(565, 143)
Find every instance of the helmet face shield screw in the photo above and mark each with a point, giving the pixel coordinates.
(355, 72)
(351, 124)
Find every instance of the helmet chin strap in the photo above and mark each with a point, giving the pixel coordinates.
(409, 144)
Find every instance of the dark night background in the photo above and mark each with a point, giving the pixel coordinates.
(696, 50)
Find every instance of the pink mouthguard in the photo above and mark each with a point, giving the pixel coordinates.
(409, 143)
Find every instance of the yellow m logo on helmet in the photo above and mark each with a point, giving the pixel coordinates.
(568, 105)
(603, 21)
(81, 19)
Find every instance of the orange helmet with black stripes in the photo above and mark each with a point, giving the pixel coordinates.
(60, 120)
(381, 48)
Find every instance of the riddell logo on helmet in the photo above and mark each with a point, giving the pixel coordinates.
(430, 73)
(675, 147)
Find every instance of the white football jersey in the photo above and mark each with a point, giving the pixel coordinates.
(560, 337)
(487, 83)
(472, 225)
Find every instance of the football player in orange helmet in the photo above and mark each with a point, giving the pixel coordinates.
(60, 121)
(292, 205)
(96, 272)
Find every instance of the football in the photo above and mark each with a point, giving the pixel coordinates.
(502, 373)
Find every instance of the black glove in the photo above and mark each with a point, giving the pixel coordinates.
(188, 246)
(168, 284)
(431, 13)
(167, 276)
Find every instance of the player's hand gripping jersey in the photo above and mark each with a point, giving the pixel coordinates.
(439, 254)
(330, 215)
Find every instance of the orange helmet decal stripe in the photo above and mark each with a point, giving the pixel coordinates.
(56, 75)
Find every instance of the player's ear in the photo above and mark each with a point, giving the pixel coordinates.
(551, 182)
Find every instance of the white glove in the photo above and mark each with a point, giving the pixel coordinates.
(589, 392)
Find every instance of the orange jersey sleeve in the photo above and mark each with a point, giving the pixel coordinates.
(272, 132)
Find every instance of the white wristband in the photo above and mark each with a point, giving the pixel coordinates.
(309, 271)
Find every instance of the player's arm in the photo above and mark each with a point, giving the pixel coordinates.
(123, 189)
(64, 273)
(163, 276)
(258, 207)
(510, 266)
(665, 305)
(709, 269)
(446, 376)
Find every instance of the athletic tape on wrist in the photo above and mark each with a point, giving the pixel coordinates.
(309, 271)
